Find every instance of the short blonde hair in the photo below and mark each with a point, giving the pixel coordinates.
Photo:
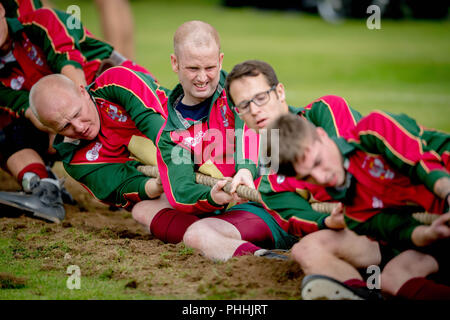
(198, 33)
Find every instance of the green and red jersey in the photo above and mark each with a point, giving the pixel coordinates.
(43, 44)
(288, 199)
(186, 146)
(129, 104)
(17, 8)
(392, 164)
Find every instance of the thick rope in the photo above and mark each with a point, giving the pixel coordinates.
(325, 207)
(242, 191)
(253, 195)
(427, 218)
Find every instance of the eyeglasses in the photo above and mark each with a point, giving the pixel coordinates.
(259, 99)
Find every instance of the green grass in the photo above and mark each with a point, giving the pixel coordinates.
(404, 67)
(33, 282)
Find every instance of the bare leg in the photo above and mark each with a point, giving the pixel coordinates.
(19, 160)
(407, 265)
(336, 254)
(117, 24)
(217, 239)
(144, 211)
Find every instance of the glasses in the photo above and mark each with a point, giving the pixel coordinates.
(259, 99)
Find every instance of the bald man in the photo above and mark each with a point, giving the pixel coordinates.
(38, 43)
(198, 135)
(95, 127)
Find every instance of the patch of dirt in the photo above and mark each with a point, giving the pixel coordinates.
(9, 281)
(110, 245)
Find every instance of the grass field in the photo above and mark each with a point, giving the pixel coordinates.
(404, 67)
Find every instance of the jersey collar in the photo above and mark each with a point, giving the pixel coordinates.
(175, 120)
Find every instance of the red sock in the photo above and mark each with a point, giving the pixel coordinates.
(356, 283)
(245, 248)
(169, 225)
(423, 289)
(37, 168)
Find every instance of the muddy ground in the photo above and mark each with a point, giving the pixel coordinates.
(111, 245)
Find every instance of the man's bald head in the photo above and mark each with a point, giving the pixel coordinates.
(195, 33)
(51, 92)
(64, 107)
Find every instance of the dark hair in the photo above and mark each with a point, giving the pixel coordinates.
(251, 68)
(294, 134)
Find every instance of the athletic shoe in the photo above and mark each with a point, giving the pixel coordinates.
(319, 287)
(65, 194)
(270, 254)
(44, 201)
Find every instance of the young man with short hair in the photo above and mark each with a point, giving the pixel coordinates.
(259, 98)
(383, 170)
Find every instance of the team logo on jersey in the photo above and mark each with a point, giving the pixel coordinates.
(377, 203)
(223, 111)
(7, 58)
(280, 179)
(115, 114)
(377, 169)
(16, 83)
(192, 142)
(92, 154)
(32, 53)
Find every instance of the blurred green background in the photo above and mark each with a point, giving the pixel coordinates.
(403, 67)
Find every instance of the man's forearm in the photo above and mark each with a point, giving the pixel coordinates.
(421, 237)
(74, 74)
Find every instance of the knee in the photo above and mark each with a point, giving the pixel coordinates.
(407, 265)
(300, 252)
(195, 234)
(412, 263)
(310, 248)
(138, 212)
(143, 212)
(204, 233)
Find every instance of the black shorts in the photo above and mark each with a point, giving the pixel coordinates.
(22, 134)
(440, 250)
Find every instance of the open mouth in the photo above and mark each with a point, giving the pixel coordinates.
(262, 123)
(85, 132)
(332, 181)
(202, 86)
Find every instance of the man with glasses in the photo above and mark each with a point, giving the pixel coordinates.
(259, 99)
(333, 253)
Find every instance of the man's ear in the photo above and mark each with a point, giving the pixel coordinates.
(280, 92)
(82, 90)
(220, 60)
(322, 133)
(299, 161)
(2, 11)
(174, 62)
(84, 93)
